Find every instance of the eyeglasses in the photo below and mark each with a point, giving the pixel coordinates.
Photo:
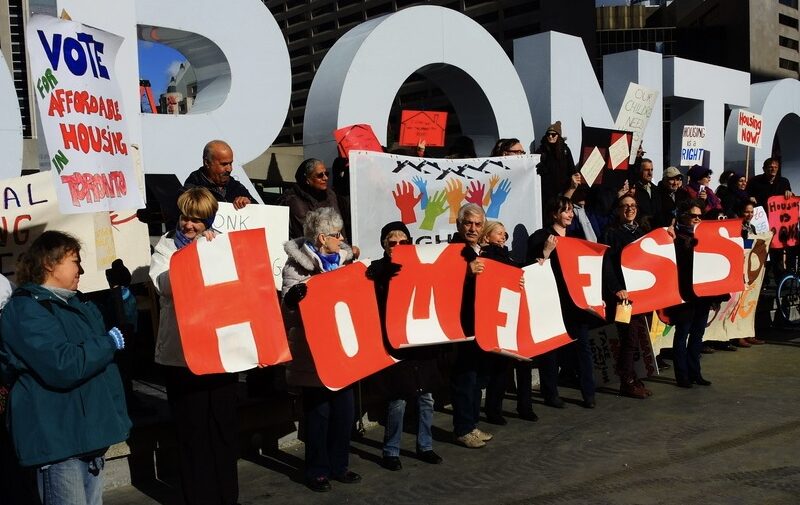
(693, 216)
(322, 175)
(629, 206)
(516, 151)
(392, 243)
(337, 235)
(552, 134)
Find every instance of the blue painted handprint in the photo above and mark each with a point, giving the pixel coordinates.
(422, 185)
(498, 199)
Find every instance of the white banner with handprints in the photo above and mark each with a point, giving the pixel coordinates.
(426, 194)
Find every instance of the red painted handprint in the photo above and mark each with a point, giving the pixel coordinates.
(406, 201)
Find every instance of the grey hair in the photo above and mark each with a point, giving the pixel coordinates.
(470, 208)
(323, 221)
(308, 166)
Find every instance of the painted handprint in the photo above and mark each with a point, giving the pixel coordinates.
(406, 201)
(455, 194)
(436, 207)
(475, 193)
(498, 198)
(422, 186)
(493, 180)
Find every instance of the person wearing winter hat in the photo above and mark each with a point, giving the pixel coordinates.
(672, 193)
(556, 165)
(414, 376)
(698, 188)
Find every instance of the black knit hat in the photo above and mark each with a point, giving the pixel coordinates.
(394, 226)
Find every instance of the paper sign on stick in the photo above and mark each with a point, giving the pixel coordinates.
(232, 274)
(416, 125)
(83, 120)
(358, 137)
(749, 127)
(637, 107)
(692, 143)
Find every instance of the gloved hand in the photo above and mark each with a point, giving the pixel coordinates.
(295, 294)
(117, 337)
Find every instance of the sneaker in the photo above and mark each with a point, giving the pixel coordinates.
(471, 441)
(482, 435)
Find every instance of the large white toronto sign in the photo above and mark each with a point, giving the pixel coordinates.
(244, 85)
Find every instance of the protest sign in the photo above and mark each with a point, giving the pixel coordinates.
(427, 125)
(83, 121)
(717, 266)
(581, 264)
(516, 322)
(605, 345)
(650, 271)
(619, 150)
(426, 194)
(612, 145)
(749, 126)
(340, 319)
(760, 220)
(424, 304)
(230, 273)
(29, 208)
(692, 143)
(736, 317)
(593, 165)
(273, 218)
(637, 107)
(783, 217)
(357, 137)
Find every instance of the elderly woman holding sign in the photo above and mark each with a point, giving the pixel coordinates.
(328, 414)
(204, 407)
(66, 405)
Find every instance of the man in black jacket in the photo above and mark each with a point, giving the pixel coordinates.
(215, 175)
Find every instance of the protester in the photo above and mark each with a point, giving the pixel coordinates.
(204, 408)
(542, 246)
(625, 230)
(328, 415)
(672, 194)
(507, 147)
(648, 196)
(698, 188)
(495, 367)
(215, 176)
(556, 165)
(416, 374)
(66, 403)
(310, 192)
(588, 223)
(762, 187)
(734, 196)
(745, 213)
(464, 378)
(689, 318)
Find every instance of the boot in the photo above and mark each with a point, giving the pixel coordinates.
(629, 387)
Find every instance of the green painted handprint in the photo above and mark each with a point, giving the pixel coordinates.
(437, 205)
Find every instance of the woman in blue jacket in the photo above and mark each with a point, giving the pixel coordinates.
(66, 405)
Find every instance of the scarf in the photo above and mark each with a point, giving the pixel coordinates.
(631, 227)
(329, 261)
(685, 228)
(180, 239)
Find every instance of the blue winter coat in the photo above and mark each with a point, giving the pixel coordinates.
(67, 398)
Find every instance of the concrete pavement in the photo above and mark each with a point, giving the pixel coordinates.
(737, 441)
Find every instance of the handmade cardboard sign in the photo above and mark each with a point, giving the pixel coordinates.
(783, 218)
(749, 126)
(427, 125)
(692, 145)
(358, 137)
(83, 120)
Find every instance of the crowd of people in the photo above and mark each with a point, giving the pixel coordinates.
(58, 352)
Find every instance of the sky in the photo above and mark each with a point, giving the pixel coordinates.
(158, 63)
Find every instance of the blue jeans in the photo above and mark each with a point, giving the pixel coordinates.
(72, 482)
(394, 425)
(688, 341)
